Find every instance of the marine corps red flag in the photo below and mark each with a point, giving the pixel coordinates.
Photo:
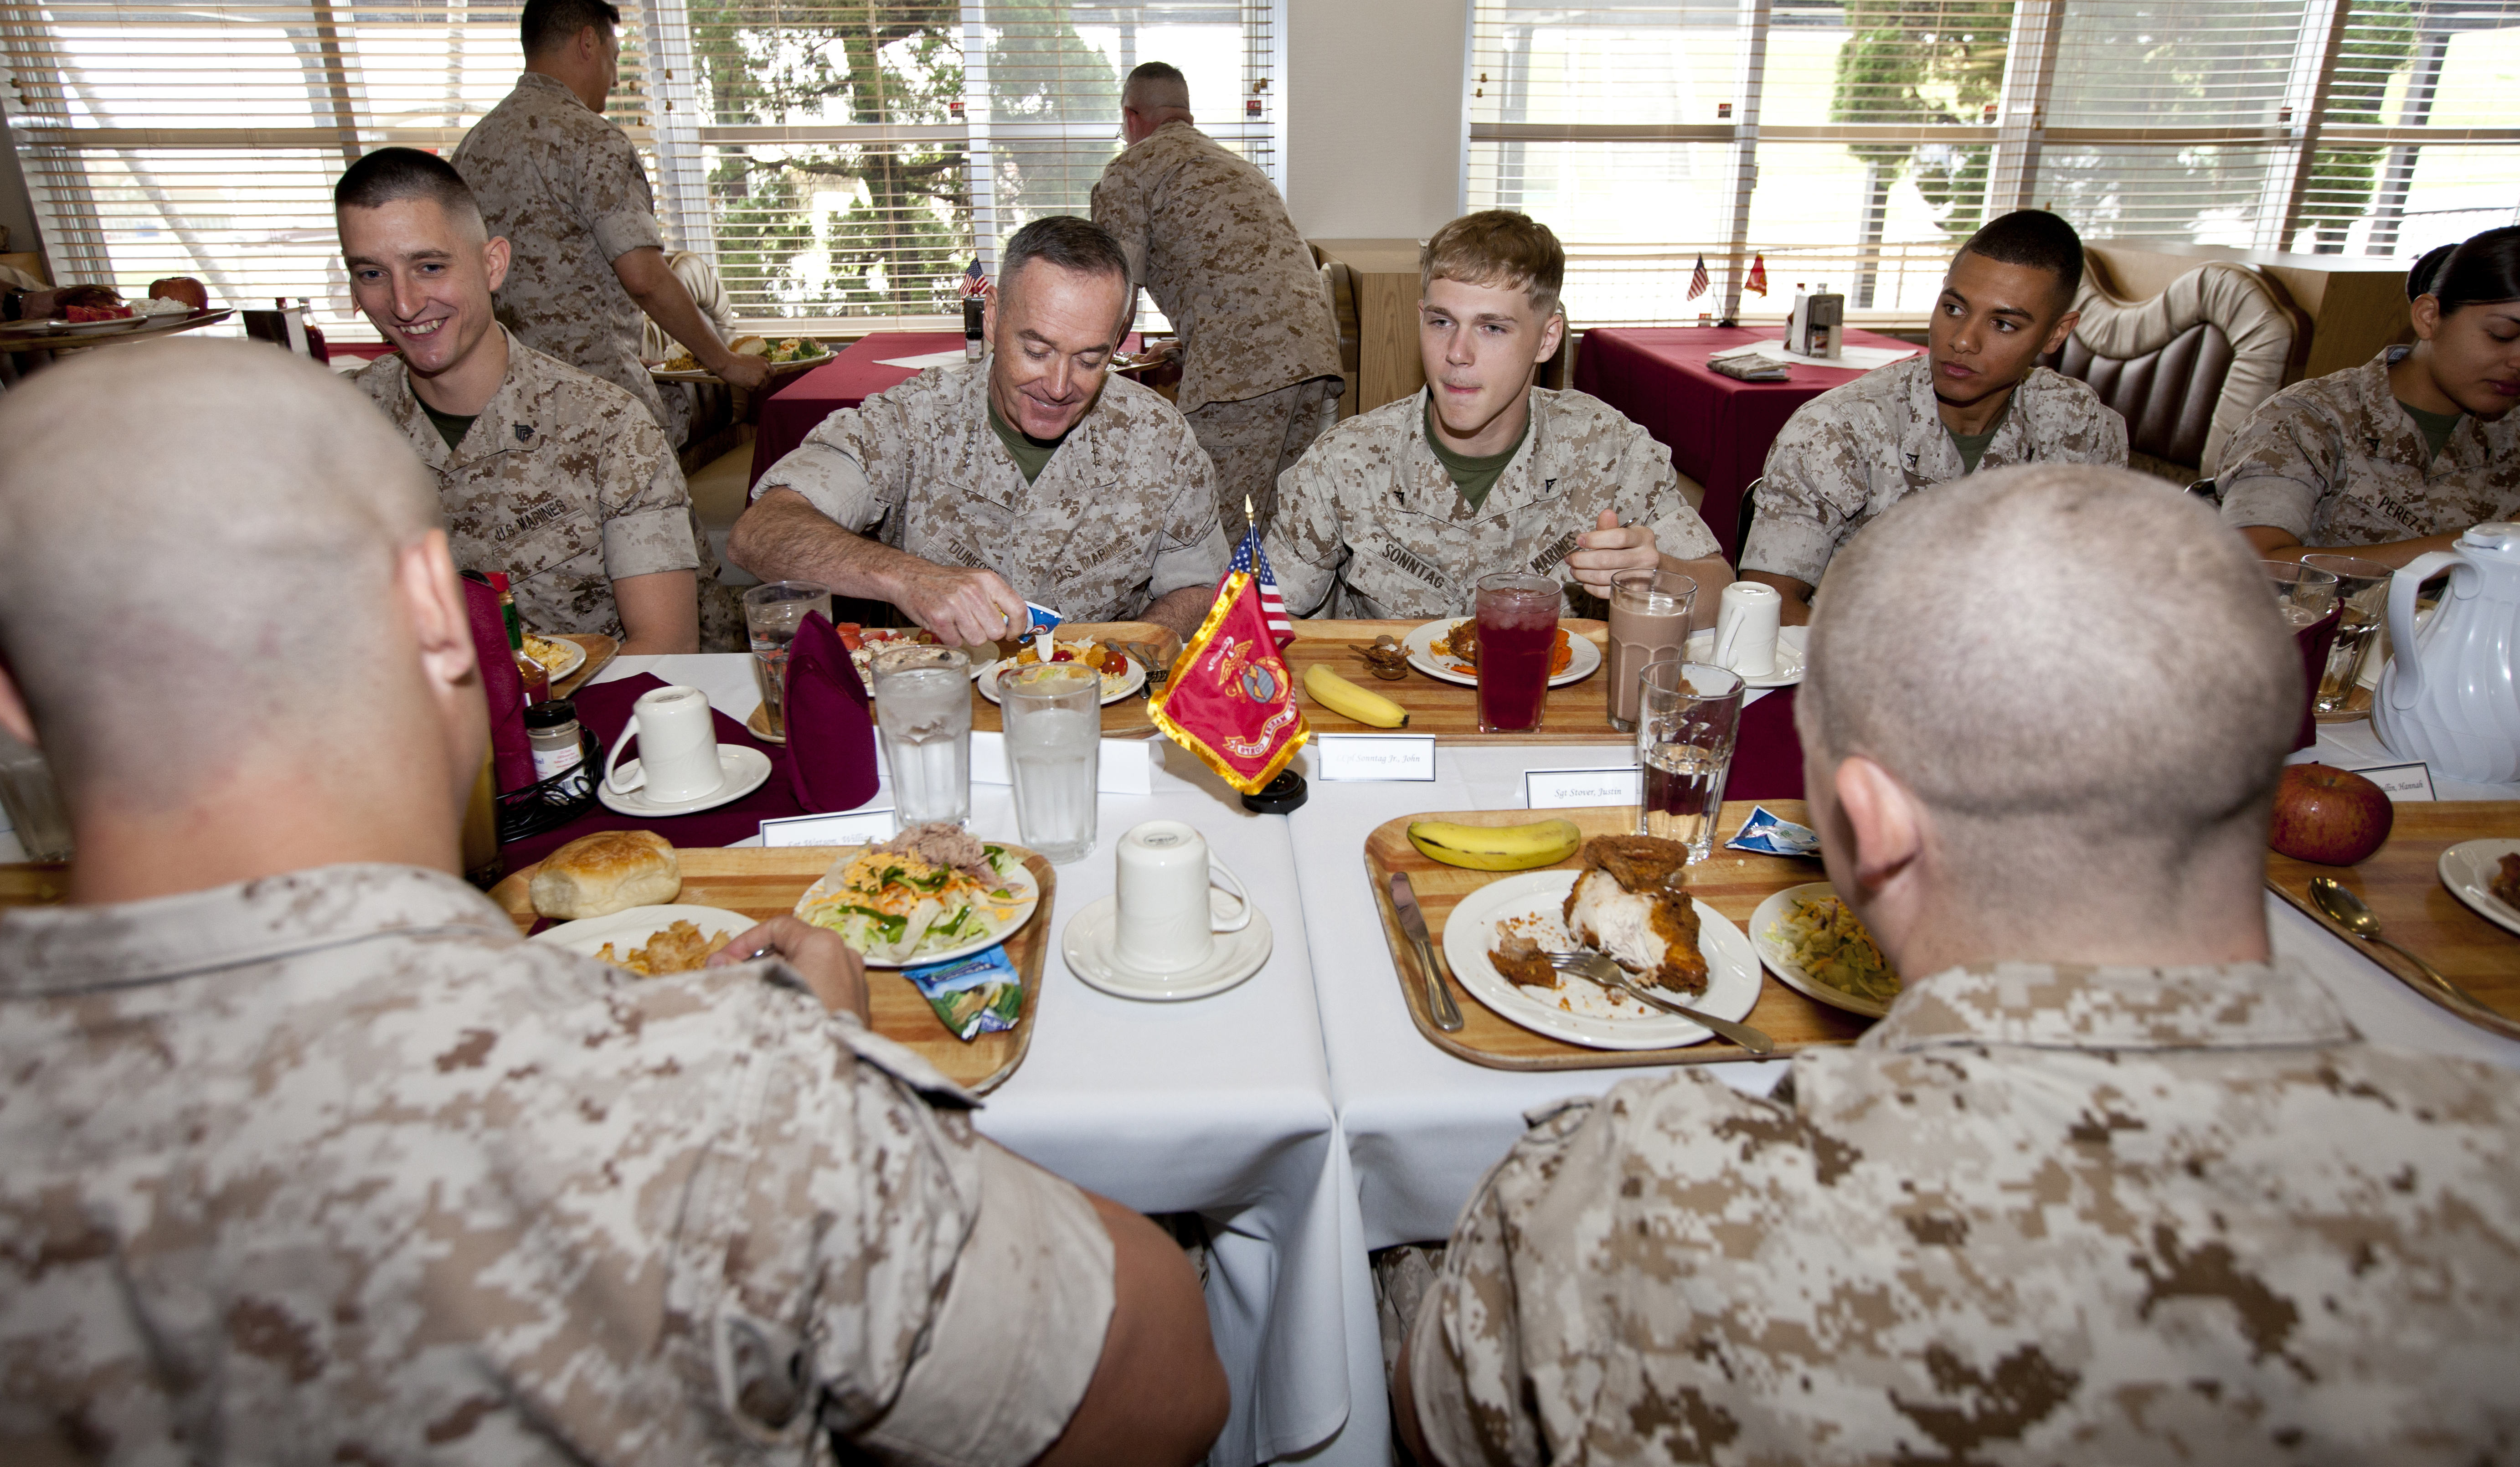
(1230, 698)
(1758, 280)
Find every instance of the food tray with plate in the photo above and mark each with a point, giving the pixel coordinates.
(1575, 713)
(779, 371)
(2402, 884)
(46, 335)
(599, 651)
(1731, 882)
(1583, 658)
(1122, 716)
(766, 883)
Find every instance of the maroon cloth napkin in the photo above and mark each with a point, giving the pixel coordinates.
(502, 686)
(605, 707)
(2315, 641)
(1767, 755)
(831, 729)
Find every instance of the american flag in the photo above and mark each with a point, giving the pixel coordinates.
(974, 282)
(1697, 280)
(1248, 557)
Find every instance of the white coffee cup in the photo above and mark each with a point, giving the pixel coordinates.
(1169, 906)
(678, 756)
(1745, 628)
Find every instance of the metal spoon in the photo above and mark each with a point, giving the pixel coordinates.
(2350, 914)
(1601, 970)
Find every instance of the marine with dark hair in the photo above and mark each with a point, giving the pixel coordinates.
(1977, 398)
(967, 491)
(2399, 455)
(587, 270)
(1209, 237)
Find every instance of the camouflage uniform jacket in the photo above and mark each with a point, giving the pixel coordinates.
(1122, 513)
(1208, 237)
(2335, 461)
(1371, 526)
(1853, 451)
(332, 1167)
(565, 184)
(2036, 1215)
(562, 482)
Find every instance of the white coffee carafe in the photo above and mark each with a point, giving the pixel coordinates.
(2450, 695)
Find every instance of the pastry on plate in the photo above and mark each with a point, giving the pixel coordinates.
(1629, 902)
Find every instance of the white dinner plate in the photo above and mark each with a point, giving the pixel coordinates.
(631, 928)
(1732, 969)
(572, 656)
(1781, 959)
(743, 766)
(1020, 881)
(2467, 867)
(1582, 656)
(1790, 656)
(1087, 945)
(778, 371)
(1130, 681)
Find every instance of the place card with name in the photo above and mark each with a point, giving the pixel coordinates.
(1373, 756)
(847, 827)
(1576, 788)
(2411, 783)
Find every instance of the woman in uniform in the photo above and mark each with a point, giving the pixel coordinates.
(2396, 457)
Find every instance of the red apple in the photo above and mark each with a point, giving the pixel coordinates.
(181, 288)
(2328, 814)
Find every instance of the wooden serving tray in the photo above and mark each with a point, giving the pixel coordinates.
(600, 652)
(766, 883)
(1733, 882)
(2401, 884)
(1577, 713)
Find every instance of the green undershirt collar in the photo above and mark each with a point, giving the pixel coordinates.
(1473, 478)
(449, 427)
(2436, 426)
(1031, 454)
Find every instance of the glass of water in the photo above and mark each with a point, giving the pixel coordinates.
(1688, 716)
(1055, 748)
(2363, 586)
(923, 708)
(32, 801)
(772, 614)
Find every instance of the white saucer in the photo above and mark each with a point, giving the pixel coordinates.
(2468, 869)
(743, 769)
(1087, 946)
(1789, 657)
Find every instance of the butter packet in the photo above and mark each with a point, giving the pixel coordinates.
(1766, 834)
(973, 995)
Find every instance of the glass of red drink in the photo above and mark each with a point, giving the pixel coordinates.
(1517, 618)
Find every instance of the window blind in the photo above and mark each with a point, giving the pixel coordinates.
(1857, 142)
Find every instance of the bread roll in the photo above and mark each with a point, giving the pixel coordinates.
(613, 871)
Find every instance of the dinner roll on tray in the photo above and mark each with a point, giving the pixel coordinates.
(609, 872)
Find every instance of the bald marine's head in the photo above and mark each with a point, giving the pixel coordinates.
(209, 558)
(2080, 681)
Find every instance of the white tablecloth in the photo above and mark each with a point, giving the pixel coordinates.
(1220, 1107)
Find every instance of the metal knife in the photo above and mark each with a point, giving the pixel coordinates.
(1439, 1000)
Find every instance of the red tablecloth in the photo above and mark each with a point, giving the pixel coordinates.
(1717, 427)
(851, 377)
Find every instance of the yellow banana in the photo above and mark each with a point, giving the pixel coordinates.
(1496, 848)
(1345, 699)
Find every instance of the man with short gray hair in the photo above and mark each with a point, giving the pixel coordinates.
(2109, 1183)
(1209, 237)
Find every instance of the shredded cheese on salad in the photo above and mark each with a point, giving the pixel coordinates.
(894, 905)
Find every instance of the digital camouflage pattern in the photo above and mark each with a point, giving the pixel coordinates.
(1853, 451)
(2335, 461)
(1122, 513)
(333, 1167)
(2036, 1215)
(1208, 237)
(1371, 526)
(565, 184)
(565, 484)
(1253, 441)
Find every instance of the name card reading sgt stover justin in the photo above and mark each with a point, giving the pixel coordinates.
(1373, 756)
(1577, 788)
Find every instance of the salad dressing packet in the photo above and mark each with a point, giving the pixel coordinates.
(975, 995)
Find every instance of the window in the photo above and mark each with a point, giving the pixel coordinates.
(1856, 142)
(838, 157)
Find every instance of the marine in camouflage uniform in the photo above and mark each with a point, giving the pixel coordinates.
(1124, 512)
(1371, 526)
(2335, 461)
(332, 1167)
(2036, 1215)
(563, 184)
(1853, 451)
(1208, 237)
(565, 484)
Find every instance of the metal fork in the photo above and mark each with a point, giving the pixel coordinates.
(1600, 968)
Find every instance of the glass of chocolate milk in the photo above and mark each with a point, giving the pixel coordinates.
(1649, 613)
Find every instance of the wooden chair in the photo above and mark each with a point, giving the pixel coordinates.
(1338, 285)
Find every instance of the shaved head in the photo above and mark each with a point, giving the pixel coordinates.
(197, 543)
(1155, 87)
(2081, 678)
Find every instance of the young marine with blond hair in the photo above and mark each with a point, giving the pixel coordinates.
(1398, 511)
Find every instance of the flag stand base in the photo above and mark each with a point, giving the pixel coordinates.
(1283, 795)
